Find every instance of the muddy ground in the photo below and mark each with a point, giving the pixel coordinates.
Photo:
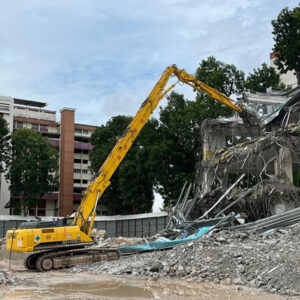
(85, 285)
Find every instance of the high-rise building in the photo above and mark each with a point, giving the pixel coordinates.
(72, 142)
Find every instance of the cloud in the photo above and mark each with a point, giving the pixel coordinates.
(104, 57)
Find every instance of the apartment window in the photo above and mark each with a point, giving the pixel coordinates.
(44, 128)
(77, 161)
(78, 131)
(84, 181)
(77, 181)
(84, 161)
(77, 151)
(85, 131)
(85, 151)
(84, 171)
(19, 124)
(77, 171)
(35, 127)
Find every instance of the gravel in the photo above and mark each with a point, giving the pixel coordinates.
(269, 262)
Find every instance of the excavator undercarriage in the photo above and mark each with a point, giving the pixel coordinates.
(47, 260)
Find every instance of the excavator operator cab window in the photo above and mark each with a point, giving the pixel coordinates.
(67, 221)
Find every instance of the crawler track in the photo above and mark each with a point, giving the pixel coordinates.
(57, 259)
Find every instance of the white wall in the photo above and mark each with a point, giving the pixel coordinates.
(288, 78)
(6, 108)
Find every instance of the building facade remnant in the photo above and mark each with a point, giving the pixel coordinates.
(269, 155)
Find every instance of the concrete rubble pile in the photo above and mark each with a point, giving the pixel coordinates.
(268, 261)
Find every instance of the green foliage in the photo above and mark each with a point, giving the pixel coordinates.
(176, 154)
(33, 168)
(225, 78)
(286, 31)
(131, 189)
(4, 144)
(263, 78)
(181, 120)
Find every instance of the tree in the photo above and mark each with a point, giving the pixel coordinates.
(225, 78)
(32, 169)
(176, 153)
(4, 144)
(131, 189)
(262, 78)
(180, 144)
(286, 31)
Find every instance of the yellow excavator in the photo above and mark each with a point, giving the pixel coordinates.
(68, 242)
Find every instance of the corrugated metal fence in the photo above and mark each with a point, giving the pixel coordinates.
(140, 225)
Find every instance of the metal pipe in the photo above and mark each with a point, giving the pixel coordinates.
(223, 196)
(239, 199)
(192, 204)
(179, 198)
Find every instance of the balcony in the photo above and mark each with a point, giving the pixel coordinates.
(83, 146)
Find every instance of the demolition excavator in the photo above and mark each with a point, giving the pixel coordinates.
(67, 242)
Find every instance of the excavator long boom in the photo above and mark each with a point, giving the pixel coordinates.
(96, 188)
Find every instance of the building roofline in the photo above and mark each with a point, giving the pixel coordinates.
(29, 102)
(67, 108)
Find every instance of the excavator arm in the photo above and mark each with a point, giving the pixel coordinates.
(96, 188)
(248, 118)
(198, 85)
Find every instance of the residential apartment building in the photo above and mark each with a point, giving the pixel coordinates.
(71, 141)
(289, 78)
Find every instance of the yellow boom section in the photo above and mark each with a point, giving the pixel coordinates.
(102, 181)
(201, 86)
(96, 188)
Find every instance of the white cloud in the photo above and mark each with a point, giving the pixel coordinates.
(104, 57)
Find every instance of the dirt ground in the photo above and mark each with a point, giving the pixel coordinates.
(64, 285)
(86, 285)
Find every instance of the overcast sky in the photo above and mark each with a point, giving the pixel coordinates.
(103, 57)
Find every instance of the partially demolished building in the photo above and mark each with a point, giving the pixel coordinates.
(267, 157)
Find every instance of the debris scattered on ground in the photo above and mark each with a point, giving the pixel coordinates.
(115, 242)
(7, 278)
(270, 262)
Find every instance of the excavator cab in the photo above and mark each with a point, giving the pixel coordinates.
(67, 221)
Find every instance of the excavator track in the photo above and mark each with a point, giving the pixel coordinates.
(57, 259)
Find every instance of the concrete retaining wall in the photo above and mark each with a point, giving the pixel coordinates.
(140, 225)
